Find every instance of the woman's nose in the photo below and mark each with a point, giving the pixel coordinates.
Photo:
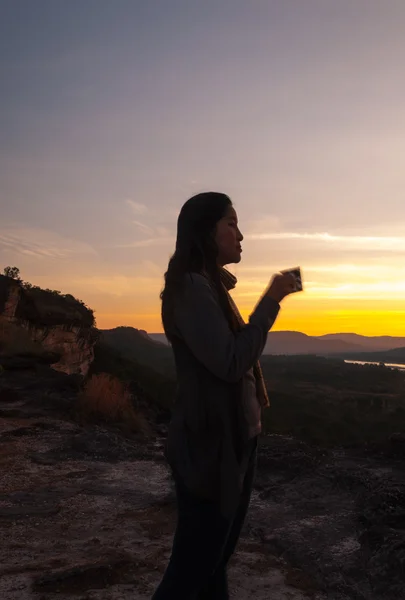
(240, 236)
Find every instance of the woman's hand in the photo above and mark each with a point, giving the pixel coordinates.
(280, 286)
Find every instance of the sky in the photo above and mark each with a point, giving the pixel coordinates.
(114, 112)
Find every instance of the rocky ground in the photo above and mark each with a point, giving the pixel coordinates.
(87, 513)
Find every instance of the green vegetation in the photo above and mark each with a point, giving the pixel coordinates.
(55, 308)
(45, 306)
(146, 381)
(12, 272)
(137, 346)
(396, 355)
(330, 402)
(319, 400)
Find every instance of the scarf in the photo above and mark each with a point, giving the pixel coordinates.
(229, 281)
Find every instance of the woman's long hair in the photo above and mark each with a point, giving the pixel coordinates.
(196, 251)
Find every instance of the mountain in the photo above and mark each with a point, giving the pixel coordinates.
(395, 356)
(373, 343)
(159, 337)
(137, 345)
(294, 342)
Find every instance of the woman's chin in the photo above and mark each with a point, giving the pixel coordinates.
(231, 260)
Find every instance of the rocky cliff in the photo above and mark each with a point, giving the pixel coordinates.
(57, 323)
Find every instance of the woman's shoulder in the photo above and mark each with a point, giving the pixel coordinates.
(196, 285)
(194, 279)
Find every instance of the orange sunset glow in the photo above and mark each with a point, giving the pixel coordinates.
(295, 111)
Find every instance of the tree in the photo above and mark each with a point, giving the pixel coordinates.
(12, 272)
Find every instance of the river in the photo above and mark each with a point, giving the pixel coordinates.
(398, 366)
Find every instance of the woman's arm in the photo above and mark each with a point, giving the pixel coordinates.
(201, 323)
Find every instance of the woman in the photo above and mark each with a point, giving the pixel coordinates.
(212, 438)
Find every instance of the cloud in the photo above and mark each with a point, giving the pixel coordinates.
(148, 243)
(119, 286)
(152, 268)
(358, 290)
(268, 223)
(156, 235)
(357, 242)
(372, 269)
(41, 243)
(144, 228)
(137, 208)
(159, 236)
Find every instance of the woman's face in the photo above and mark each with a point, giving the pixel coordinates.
(228, 238)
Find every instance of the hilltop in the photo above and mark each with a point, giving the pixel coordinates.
(39, 321)
(41, 307)
(295, 342)
(136, 344)
(394, 356)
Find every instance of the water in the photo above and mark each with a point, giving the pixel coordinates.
(398, 366)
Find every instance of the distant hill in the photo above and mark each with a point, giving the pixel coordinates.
(159, 337)
(323, 399)
(294, 342)
(397, 355)
(137, 345)
(373, 343)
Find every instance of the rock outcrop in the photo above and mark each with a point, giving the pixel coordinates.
(58, 324)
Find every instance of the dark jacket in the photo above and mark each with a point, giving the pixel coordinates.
(207, 434)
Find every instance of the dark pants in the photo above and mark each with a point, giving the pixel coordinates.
(203, 544)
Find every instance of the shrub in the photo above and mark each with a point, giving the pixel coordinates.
(107, 399)
(159, 389)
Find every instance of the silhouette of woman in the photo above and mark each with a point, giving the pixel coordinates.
(212, 440)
